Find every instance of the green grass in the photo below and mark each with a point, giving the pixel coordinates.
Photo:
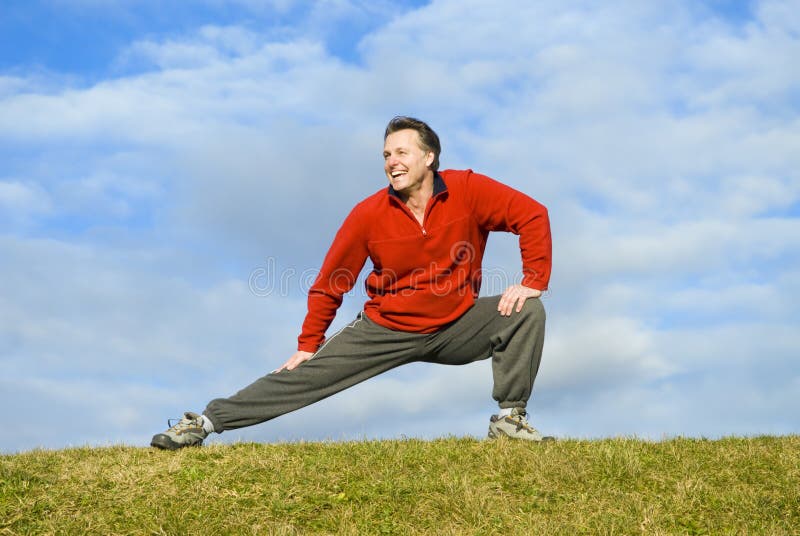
(447, 486)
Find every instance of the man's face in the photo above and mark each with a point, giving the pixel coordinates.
(405, 161)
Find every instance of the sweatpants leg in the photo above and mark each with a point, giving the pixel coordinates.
(514, 343)
(356, 353)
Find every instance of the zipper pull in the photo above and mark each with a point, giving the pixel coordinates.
(424, 232)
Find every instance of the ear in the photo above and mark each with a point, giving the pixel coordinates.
(429, 159)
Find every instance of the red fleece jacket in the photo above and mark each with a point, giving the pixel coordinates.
(425, 276)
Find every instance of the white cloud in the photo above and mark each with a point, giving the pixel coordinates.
(212, 45)
(21, 203)
(755, 65)
(104, 330)
(666, 145)
(106, 307)
(594, 352)
(22, 197)
(11, 85)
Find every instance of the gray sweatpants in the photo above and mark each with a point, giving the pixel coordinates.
(363, 349)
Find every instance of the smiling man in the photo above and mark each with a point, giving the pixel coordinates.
(425, 235)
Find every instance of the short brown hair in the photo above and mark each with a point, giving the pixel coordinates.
(427, 137)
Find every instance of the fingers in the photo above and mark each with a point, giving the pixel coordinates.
(504, 307)
(294, 361)
(514, 298)
(507, 301)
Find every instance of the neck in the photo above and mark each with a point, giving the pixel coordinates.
(418, 196)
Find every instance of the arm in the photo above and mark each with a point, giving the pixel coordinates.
(340, 269)
(337, 276)
(498, 207)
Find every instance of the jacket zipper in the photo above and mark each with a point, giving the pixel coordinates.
(427, 212)
(424, 216)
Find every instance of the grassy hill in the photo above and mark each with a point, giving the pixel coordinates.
(447, 486)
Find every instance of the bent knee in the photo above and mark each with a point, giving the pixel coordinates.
(534, 308)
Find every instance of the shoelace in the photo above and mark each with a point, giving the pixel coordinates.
(182, 424)
(522, 422)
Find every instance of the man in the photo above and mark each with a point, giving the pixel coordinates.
(425, 235)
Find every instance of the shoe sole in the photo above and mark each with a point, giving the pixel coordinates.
(163, 442)
(545, 439)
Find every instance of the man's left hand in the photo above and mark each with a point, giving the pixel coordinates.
(515, 295)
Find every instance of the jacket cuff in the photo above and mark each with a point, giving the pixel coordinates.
(534, 284)
(306, 347)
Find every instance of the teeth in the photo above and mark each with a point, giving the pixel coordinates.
(398, 173)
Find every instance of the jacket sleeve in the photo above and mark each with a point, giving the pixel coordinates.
(340, 269)
(498, 207)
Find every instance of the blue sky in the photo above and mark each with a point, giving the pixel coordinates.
(84, 38)
(171, 176)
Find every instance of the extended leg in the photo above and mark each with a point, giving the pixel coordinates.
(358, 352)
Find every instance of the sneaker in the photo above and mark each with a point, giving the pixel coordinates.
(187, 432)
(515, 426)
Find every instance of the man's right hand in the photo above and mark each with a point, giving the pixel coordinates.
(298, 357)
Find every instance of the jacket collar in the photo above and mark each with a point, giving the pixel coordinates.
(438, 186)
